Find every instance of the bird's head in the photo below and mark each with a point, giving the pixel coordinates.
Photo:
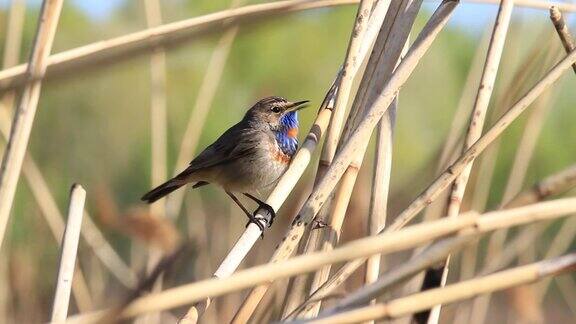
(277, 112)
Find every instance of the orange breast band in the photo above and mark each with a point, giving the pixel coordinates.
(292, 132)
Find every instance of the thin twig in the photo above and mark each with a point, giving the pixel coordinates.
(27, 104)
(68, 253)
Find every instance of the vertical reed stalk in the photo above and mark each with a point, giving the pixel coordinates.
(357, 141)
(352, 63)
(158, 138)
(489, 73)
(444, 180)
(68, 253)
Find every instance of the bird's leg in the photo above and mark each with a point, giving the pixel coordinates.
(264, 206)
(249, 214)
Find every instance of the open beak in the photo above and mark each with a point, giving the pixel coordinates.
(295, 106)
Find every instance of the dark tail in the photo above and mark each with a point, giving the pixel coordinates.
(162, 190)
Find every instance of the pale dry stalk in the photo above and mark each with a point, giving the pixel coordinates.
(357, 142)
(158, 136)
(116, 49)
(68, 253)
(352, 63)
(204, 100)
(141, 42)
(477, 118)
(481, 305)
(387, 50)
(47, 204)
(446, 178)
(13, 43)
(26, 109)
(401, 240)
(421, 301)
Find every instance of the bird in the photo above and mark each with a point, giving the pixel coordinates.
(247, 158)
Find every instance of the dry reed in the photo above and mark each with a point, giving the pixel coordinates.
(27, 104)
(68, 253)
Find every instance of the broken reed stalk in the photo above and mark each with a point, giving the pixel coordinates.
(406, 238)
(477, 118)
(68, 253)
(446, 178)
(358, 140)
(47, 204)
(562, 30)
(463, 290)
(26, 109)
(387, 50)
(355, 55)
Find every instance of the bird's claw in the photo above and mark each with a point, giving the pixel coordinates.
(257, 222)
(270, 212)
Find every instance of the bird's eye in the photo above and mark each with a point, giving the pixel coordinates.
(275, 109)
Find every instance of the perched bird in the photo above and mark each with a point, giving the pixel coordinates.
(248, 158)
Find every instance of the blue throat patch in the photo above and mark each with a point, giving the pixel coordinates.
(287, 144)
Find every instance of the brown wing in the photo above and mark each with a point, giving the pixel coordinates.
(238, 141)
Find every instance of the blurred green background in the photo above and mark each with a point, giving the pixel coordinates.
(93, 127)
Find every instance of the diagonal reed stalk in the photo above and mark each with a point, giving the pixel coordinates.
(204, 99)
(439, 250)
(357, 142)
(68, 253)
(387, 49)
(496, 243)
(477, 118)
(421, 301)
(406, 238)
(47, 204)
(27, 104)
(352, 62)
(191, 137)
(114, 50)
(446, 178)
